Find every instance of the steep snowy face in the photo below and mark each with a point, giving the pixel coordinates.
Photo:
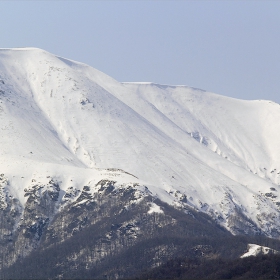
(189, 147)
(245, 133)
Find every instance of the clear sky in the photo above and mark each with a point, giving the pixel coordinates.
(227, 47)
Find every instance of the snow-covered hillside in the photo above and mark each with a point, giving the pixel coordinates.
(256, 250)
(65, 120)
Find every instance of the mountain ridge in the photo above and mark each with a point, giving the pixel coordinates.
(221, 154)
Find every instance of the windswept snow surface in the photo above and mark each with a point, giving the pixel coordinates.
(69, 121)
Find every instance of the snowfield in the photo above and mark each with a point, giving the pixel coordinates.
(67, 121)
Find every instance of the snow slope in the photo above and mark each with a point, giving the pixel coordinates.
(256, 250)
(69, 121)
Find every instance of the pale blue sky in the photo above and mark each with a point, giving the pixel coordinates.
(227, 47)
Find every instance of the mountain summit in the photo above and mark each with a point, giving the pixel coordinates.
(58, 116)
(65, 125)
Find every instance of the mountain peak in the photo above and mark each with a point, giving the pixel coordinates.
(188, 146)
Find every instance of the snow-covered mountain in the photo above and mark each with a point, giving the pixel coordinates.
(67, 123)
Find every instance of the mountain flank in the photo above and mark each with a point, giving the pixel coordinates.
(94, 171)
